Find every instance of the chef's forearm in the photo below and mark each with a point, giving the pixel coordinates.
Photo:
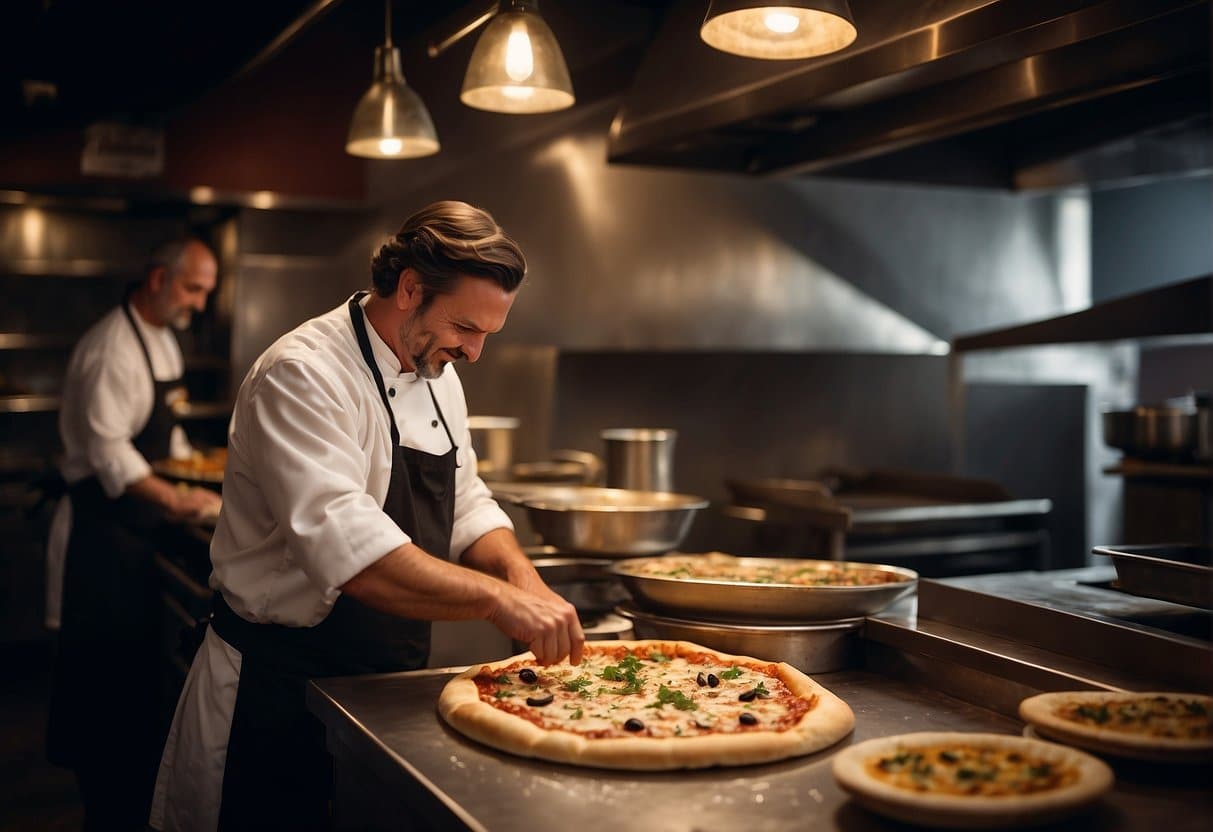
(410, 583)
(157, 491)
(498, 553)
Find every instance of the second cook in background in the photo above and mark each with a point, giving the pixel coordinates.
(350, 482)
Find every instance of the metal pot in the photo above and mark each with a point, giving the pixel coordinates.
(640, 458)
(493, 441)
(605, 521)
(1151, 431)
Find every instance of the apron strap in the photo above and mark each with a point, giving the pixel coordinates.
(368, 356)
(139, 337)
(441, 418)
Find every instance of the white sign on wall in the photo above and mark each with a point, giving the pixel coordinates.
(114, 149)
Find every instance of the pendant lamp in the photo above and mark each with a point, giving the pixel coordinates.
(792, 30)
(390, 122)
(517, 66)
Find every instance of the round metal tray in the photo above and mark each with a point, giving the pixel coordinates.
(813, 648)
(742, 601)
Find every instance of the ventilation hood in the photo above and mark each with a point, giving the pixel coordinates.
(997, 93)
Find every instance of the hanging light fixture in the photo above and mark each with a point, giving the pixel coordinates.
(390, 122)
(517, 66)
(792, 30)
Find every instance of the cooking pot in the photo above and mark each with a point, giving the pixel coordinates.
(1151, 431)
(493, 441)
(604, 521)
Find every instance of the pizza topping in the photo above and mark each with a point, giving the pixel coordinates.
(747, 719)
(716, 566)
(528, 676)
(613, 686)
(1157, 716)
(969, 770)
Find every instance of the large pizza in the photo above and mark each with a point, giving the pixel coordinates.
(954, 779)
(646, 705)
(717, 566)
(1152, 725)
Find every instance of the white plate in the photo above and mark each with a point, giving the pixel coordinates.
(964, 811)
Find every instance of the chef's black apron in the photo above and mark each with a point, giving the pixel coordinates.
(278, 774)
(105, 720)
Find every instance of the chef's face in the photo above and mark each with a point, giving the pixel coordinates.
(176, 295)
(452, 326)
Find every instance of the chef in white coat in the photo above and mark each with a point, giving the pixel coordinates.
(351, 487)
(115, 418)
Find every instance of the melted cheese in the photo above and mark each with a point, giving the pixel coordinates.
(1156, 716)
(599, 697)
(968, 770)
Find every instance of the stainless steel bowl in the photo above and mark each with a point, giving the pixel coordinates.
(823, 647)
(605, 521)
(1151, 431)
(743, 601)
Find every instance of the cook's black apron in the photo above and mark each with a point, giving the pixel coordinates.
(105, 720)
(278, 774)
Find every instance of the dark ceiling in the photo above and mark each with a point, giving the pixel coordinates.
(144, 60)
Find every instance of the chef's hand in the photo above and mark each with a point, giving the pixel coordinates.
(194, 503)
(545, 622)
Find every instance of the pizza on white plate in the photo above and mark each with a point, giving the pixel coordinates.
(957, 779)
(1155, 725)
(646, 705)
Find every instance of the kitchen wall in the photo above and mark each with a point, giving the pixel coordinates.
(783, 325)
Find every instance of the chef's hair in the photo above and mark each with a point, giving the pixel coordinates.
(170, 255)
(443, 241)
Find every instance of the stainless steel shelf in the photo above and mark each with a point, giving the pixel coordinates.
(29, 404)
(76, 267)
(35, 341)
(1181, 309)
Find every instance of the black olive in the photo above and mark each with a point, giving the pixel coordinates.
(527, 675)
(699, 680)
(713, 680)
(748, 696)
(748, 719)
(633, 724)
(539, 701)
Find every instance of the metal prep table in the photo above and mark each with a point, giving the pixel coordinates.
(397, 766)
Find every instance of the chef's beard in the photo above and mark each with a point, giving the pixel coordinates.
(181, 321)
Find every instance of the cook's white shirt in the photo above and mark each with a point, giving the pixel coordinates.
(106, 402)
(309, 460)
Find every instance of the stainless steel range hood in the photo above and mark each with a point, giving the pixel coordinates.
(1001, 93)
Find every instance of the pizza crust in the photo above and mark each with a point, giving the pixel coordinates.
(1040, 712)
(827, 722)
(966, 811)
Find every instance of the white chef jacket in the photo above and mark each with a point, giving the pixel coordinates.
(309, 460)
(107, 400)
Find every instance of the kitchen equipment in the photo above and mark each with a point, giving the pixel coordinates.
(640, 458)
(563, 466)
(821, 647)
(493, 441)
(610, 522)
(1178, 573)
(1151, 430)
(738, 600)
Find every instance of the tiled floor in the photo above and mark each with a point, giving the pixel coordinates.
(34, 795)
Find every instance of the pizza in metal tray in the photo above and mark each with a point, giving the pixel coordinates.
(970, 780)
(1160, 726)
(646, 705)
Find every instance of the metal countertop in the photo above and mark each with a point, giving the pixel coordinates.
(391, 725)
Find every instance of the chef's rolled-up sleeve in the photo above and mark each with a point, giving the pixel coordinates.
(312, 473)
(109, 415)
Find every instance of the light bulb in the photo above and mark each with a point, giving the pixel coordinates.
(781, 22)
(519, 60)
(390, 147)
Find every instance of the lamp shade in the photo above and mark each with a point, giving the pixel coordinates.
(390, 122)
(517, 66)
(783, 32)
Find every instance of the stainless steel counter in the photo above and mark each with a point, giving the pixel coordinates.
(398, 765)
